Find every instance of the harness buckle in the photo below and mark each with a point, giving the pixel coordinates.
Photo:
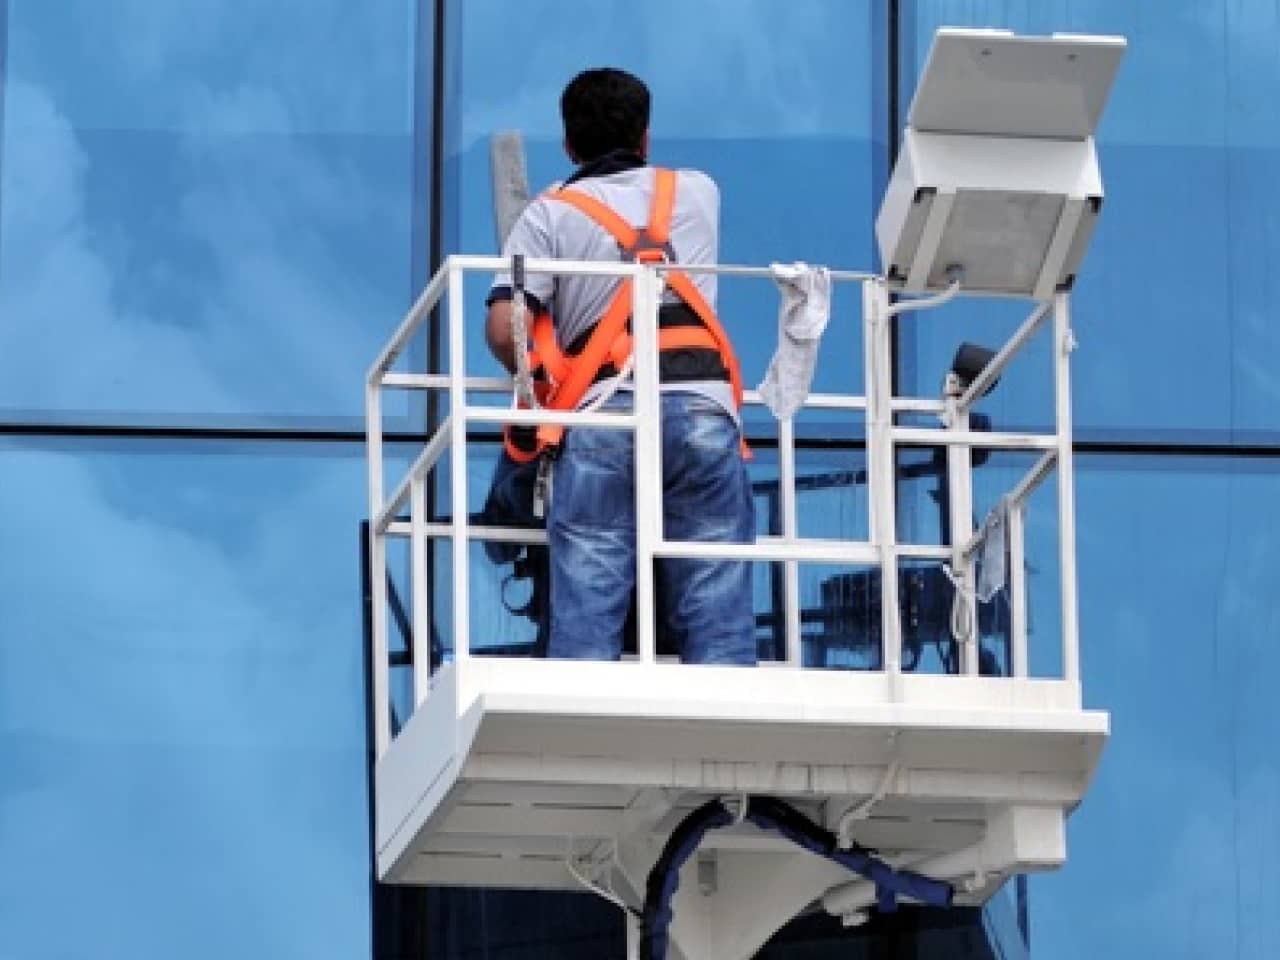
(648, 250)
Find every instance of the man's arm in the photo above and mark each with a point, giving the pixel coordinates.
(497, 333)
(531, 236)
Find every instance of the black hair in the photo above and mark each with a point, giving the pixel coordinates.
(604, 109)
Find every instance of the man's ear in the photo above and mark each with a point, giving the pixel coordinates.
(644, 146)
(569, 152)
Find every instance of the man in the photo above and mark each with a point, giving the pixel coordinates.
(704, 605)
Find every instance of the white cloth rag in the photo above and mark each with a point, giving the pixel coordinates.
(993, 566)
(802, 316)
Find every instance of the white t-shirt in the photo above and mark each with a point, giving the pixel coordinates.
(553, 229)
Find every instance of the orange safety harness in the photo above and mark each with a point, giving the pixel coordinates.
(563, 379)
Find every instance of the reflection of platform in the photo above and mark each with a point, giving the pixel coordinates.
(511, 764)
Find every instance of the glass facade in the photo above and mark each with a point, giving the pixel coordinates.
(1174, 273)
(1173, 851)
(213, 212)
(208, 207)
(181, 700)
(787, 131)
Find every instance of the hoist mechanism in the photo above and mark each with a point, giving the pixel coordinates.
(713, 804)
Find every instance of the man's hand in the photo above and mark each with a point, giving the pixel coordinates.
(497, 333)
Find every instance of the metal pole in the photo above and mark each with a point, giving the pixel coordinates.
(960, 515)
(992, 440)
(408, 326)
(647, 406)
(790, 531)
(987, 376)
(458, 462)
(1063, 344)
(378, 666)
(633, 936)
(1018, 589)
(881, 470)
(418, 591)
(1032, 479)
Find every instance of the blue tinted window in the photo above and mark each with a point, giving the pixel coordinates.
(1171, 853)
(181, 701)
(785, 129)
(1173, 305)
(205, 207)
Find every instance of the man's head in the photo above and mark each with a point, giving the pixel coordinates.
(604, 110)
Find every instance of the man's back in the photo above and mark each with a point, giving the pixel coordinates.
(553, 228)
(550, 228)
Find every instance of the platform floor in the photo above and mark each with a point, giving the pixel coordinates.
(510, 766)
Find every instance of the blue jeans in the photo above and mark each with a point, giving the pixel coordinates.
(704, 606)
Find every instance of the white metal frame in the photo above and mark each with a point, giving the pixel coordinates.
(558, 775)
(883, 439)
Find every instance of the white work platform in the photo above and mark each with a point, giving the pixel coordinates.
(511, 766)
(549, 774)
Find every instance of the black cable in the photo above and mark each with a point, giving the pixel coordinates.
(769, 813)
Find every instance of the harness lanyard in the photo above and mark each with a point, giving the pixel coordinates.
(542, 485)
(520, 335)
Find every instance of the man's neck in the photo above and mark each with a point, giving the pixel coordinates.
(615, 161)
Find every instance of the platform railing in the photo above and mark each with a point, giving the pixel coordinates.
(883, 439)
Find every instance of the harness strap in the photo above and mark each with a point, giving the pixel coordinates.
(598, 349)
(610, 341)
(687, 291)
(663, 206)
(554, 363)
(546, 349)
(686, 338)
(581, 373)
(605, 216)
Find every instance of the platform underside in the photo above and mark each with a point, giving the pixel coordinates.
(510, 766)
